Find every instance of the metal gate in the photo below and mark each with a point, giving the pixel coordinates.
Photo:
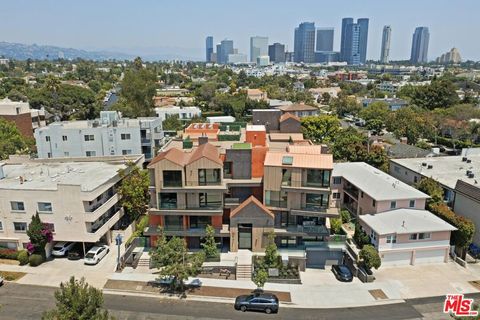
(317, 258)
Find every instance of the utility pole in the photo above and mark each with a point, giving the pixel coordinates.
(118, 242)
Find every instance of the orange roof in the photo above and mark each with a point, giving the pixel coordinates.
(174, 155)
(255, 201)
(299, 160)
(305, 149)
(297, 107)
(277, 136)
(206, 150)
(287, 116)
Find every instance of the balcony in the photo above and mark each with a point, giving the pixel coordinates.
(317, 211)
(146, 141)
(94, 234)
(173, 210)
(351, 190)
(301, 230)
(172, 184)
(351, 207)
(232, 202)
(277, 203)
(186, 231)
(92, 216)
(303, 186)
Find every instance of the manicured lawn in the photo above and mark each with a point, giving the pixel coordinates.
(11, 275)
(9, 261)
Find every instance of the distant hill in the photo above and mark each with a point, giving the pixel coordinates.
(21, 51)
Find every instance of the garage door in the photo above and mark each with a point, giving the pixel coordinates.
(322, 258)
(396, 258)
(429, 256)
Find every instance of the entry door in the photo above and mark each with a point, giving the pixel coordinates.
(245, 236)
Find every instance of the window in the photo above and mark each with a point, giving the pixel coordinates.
(125, 136)
(90, 153)
(396, 169)
(361, 194)
(167, 200)
(336, 195)
(393, 204)
(64, 138)
(413, 236)
(337, 180)
(208, 177)
(1, 226)
(66, 154)
(47, 138)
(287, 160)
(89, 137)
(20, 226)
(49, 226)
(373, 235)
(227, 169)
(125, 152)
(210, 200)
(392, 239)
(374, 203)
(17, 206)
(286, 177)
(423, 236)
(415, 179)
(317, 178)
(172, 178)
(315, 201)
(49, 154)
(200, 222)
(45, 207)
(412, 204)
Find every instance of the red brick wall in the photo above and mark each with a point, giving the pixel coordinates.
(23, 123)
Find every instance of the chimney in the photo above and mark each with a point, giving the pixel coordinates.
(2, 173)
(202, 140)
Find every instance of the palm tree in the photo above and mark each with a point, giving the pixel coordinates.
(52, 84)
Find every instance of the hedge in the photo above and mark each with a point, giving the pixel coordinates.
(228, 137)
(231, 127)
(6, 253)
(35, 260)
(23, 257)
(458, 143)
(466, 228)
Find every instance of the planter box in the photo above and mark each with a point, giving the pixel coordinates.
(284, 281)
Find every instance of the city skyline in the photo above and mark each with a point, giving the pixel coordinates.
(146, 34)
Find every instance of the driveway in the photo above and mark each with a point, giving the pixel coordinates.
(58, 270)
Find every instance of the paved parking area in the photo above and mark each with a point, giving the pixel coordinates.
(58, 270)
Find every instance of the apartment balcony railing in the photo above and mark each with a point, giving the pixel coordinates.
(186, 231)
(169, 184)
(350, 207)
(313, 229)
(352, 191)
(146, 141)
(276, 203)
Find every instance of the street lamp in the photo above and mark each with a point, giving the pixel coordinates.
(118, 242)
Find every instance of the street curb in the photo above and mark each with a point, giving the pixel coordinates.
(232, 300)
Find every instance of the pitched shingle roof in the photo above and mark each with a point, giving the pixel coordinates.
(250, 200)
(297, 107)
(206, 150)
(183, 158)
(174, 155)
(287, 116)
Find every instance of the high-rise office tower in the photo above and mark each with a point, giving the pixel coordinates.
(420, 40)
(208, 48)
(276, 52)
(304, 43)
(324, 39)
(353, 45)
(223, 50)
(258, 47)
(386, 39)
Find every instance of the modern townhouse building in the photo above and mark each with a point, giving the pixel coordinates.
(183, 113)
(363, 189)
(108, 136)
(25, 118)
(408, 236)
(457, 175)
(76, 197)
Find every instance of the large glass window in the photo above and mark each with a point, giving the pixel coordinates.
(20, 226)
(172, 178)
(45, 206)
(167, 200)
(286, 177)
(199, 222)
(210, 200)
(173, 222)
(317, 178)
(276, 198)
(17, 206)
(208, 177)
(227, 169)
(316, 201)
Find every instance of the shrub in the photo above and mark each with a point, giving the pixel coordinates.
(345, 215)
(23, 257)
(35, 260)
(335, 225)
(360, 237)
(370, 257)
(11, 254)
(260, 277)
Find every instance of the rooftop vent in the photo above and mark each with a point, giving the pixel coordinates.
(471, 175)
(469, 160)
(424, 164)
(464, 159)
(429, 166)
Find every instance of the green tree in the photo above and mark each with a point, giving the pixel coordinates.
(174, 262)
(374, 125)
(345, 105)
(260, 277)
(377, 111)
(345, 216)
(133, 190)
(432, 188)
(320, 129)
(360, 237)
(138, 89)
(336, 225)
(209, 245)
(409, 122)
(11, 141)
(349, 145)
(172, 122)
(441, 93)
(326, 98)
(77, 300)
(39, 236)
(370, 257)
(271, 252)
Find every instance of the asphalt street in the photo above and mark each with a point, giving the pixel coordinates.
(29, 302)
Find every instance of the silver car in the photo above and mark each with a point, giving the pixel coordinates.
(96, 254)
(61, 249)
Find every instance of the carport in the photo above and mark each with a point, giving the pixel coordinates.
(323, 257)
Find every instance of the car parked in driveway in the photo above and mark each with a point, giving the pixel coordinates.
(61, 249)
(1, 281)
(96, 254)
(342, 272)
(266, 302)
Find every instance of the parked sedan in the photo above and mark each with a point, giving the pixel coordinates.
(96, 254)
(61, 249)
(257, 302)
(342, 272)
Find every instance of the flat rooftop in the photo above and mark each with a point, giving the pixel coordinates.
(376, 183)
(446, 169)
(402, 221)
(83, 124)
(48, 175)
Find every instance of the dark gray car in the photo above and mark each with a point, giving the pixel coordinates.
(342, 272)
(257, 302)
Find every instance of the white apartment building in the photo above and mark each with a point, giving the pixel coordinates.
(183, 113)
(76, 197)
(111, 135)
(25, 118)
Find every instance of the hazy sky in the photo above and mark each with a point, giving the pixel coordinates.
(180, 26)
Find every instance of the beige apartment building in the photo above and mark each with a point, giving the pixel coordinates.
(76, 197)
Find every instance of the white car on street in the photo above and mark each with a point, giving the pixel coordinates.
(96, 254)
(61, 249)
